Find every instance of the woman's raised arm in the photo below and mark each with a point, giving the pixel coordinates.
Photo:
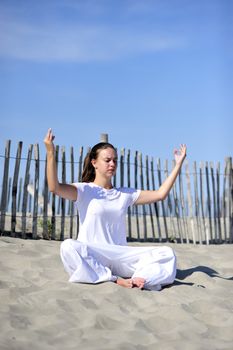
(63, 190)
(151, 196)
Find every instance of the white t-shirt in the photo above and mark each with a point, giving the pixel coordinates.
(102, 213)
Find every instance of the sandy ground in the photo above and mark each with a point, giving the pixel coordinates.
(40, 309)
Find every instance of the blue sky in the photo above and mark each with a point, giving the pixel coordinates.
(152, 74)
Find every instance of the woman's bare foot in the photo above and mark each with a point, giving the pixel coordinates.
(127, 283)
(137, 282)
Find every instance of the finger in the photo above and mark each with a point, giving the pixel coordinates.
(48, 134)
(51, 136)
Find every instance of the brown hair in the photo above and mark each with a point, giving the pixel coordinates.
(88, 174)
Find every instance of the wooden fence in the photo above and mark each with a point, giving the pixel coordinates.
(198, 209)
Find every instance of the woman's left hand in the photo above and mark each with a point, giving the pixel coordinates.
(180, 154)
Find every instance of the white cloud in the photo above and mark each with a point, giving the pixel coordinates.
(78, 43)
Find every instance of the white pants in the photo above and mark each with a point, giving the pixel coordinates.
(92, 263)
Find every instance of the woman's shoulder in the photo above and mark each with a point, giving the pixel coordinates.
(128, 190)
(82, 186)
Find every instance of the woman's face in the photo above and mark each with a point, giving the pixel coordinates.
(106, 163)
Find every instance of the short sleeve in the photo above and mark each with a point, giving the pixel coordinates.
(80, 190)
(132, 195)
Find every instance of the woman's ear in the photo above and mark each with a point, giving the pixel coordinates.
(93, 162)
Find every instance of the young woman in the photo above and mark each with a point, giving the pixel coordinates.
(101, 253)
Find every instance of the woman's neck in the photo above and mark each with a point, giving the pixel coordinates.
(103, 183)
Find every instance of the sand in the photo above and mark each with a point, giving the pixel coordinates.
(40, 309)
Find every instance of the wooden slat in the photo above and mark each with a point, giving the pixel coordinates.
(15, 188)
(115, 176)
(71, 211)
(19, 204)
(136, 186)
(177, 210)
(162, 203)
(53, 219)
(36, 191)
(25, 192)
(143, 206)
(182, 205)
(5, 186)
(122, 162)
(229, 199)
(172, 233)
(80, 179)
(30, 198)
(9, 194)
(197, 203)
(204, 221)
(45, 233)
(215, 229)
(190, 201)
(224, 200)
(129, 208)
(80, 164)
(209, 211)
(63, 201)
(150, 206)
(155, 204)
(218, 203)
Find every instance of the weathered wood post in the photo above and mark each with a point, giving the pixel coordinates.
(202, 201)
(15, 188)
(53, 219)
(80, 167)
(46, 234)
(214, 202)
(25, 191)
(229, 209)
(19, 204)
(150, 207)
(71, 211)
(103, 137)
(36, 191)
(5, 186)
(172, 236)
(197, 203)
(162, 203)
(182, 205)
(9, 193)
(136, 186)
(129, 209)
(122, 166)
(143, 206)
(155, 203)
(208, 202)
(218, 206)
(63, 201)
(177, 208)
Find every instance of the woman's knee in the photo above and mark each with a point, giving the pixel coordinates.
(70, 245)
(66, 246)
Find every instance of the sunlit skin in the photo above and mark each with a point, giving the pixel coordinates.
(105, 168)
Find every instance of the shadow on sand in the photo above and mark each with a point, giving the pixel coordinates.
(181, 275)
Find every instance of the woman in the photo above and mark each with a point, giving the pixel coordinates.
(101, 253)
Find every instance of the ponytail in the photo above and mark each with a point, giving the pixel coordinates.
(88, 174)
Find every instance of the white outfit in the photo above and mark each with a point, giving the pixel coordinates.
(101, 253)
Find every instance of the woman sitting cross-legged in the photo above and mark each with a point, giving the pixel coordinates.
(101, 253)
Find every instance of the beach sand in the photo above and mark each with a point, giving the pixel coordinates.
(40, 309)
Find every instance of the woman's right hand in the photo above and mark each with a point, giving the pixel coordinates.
(48, 141)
